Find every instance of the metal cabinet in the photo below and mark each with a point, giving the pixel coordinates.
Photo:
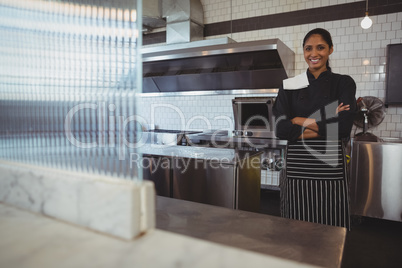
(199, 181)
(222, 177)
(233, 185)
(376, 180)
(158, 169)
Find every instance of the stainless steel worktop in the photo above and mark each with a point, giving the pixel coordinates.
(212, 154)
(306, 242)
(223, 137)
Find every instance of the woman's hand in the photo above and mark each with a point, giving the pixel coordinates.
(342, 107)
(295, 121)
(308, 134)
(303, 121)
(309, 123)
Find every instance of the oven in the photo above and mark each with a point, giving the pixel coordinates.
(254, 129)
(253, 117)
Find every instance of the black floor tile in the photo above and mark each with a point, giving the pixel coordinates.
(373, 243)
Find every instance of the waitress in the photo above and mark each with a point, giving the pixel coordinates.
(314, 112)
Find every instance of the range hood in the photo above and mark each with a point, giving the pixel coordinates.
(217, 66)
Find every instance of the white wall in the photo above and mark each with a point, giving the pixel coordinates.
(357, 52)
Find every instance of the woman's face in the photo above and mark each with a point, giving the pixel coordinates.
(316, 54)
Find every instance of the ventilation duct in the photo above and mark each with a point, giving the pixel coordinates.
(185, 20)
(188, 64)
(152, 15)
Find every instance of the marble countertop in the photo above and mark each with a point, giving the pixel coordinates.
(32, 240)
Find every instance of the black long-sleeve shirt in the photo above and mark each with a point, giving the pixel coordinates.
(319, 100)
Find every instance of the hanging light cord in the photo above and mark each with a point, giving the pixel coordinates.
(231, 18)
(366, 6)
(366, 22)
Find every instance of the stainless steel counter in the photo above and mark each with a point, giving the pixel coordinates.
(222, 137)
(376, 179)
(306, 242)
(221, 155)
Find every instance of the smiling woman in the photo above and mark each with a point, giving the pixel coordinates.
(316, 118)
(317, 47)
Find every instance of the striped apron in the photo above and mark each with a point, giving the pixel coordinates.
(314, 183)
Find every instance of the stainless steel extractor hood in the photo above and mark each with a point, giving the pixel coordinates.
(247, 67)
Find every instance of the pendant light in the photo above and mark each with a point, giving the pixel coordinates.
(366, 22)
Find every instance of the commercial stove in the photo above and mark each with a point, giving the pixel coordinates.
(272, 151)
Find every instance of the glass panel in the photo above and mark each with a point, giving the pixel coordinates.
(254, 115)
(68, 78)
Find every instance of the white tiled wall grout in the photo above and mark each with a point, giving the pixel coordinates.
(357, 52)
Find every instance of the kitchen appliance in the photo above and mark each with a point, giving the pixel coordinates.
(370, 114)
(253, 117)
(254, 131)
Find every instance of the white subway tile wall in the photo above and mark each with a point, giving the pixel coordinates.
(357, 52)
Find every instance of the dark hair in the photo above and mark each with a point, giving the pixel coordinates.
(324, 34)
